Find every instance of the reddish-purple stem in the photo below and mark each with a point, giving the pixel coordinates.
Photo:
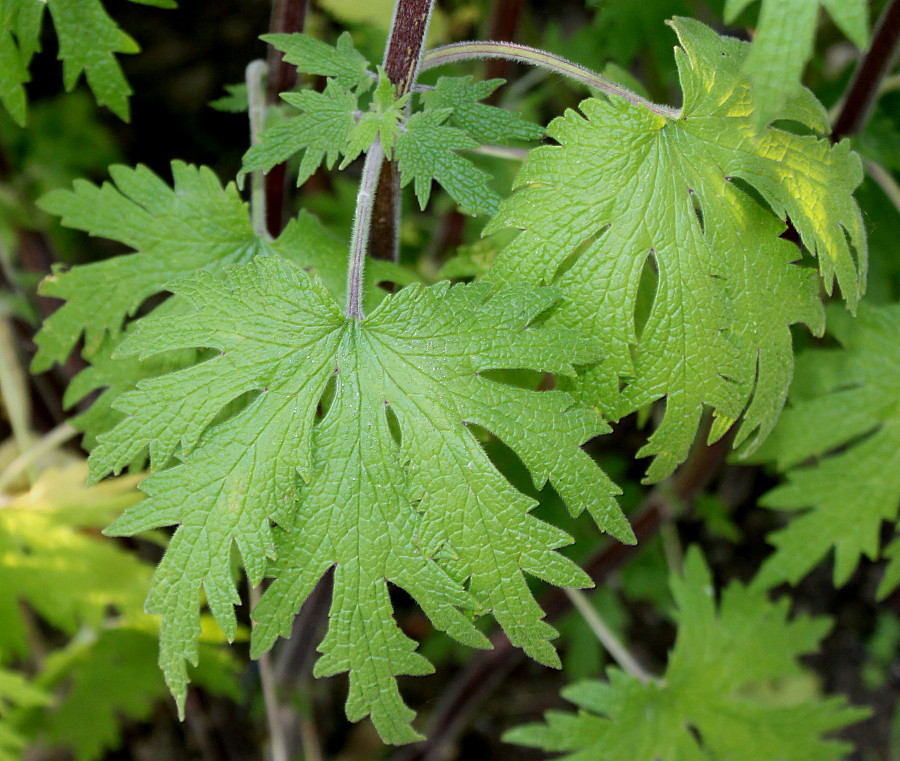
(401, 62)
(288, 16)
(874, 66)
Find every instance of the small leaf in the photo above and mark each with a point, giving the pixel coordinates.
(426, 152)
(483, 123)
(381, 120)
(850, 425)
(343, 61)
(321, 130)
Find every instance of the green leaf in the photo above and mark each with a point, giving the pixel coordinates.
(382, 120)
(110, 674)
(196, 224)
(88, 42)
(426, 152)
(58, 571)
(322, 130)
(483, 123)
(716, 700)
(386, 483)
(15, 693)
(20, 30)
(840, 446)
(343, 61)
(630, 195)
(783, 45)
(234, 102)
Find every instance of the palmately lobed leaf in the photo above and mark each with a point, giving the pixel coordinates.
(839, 445)
(174, 230)
(322, 130)
(632, 204)
(385, 484)
(714, 701)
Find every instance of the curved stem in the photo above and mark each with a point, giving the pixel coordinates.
(884, 180)
(464, 51)
(362, 222)
(607, 637)
(277, 741)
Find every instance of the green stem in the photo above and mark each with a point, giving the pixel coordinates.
(55, 438)
(14, 390)
(501, 152)
(464, 51)
(606, 636)
(256, 110)
(277, 739)
(362, 223)
(884, 180)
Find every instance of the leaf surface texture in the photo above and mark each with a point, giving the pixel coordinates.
(356, 444)
(673, 264)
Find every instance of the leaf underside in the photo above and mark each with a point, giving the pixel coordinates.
(196, 224)
(630, 196)
(417, 504)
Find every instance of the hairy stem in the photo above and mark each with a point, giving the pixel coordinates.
(872, 69)
(256, 102)
(466, 51)
(607, 637)
(401, 63)
(288, 17)
(362, 220)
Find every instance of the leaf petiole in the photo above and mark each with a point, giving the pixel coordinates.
(256, 101)
(463, 51)
(362, 223)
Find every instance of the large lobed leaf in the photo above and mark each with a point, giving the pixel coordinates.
(629, 194)
(386, 484)
(715, 700)
(839, 444)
